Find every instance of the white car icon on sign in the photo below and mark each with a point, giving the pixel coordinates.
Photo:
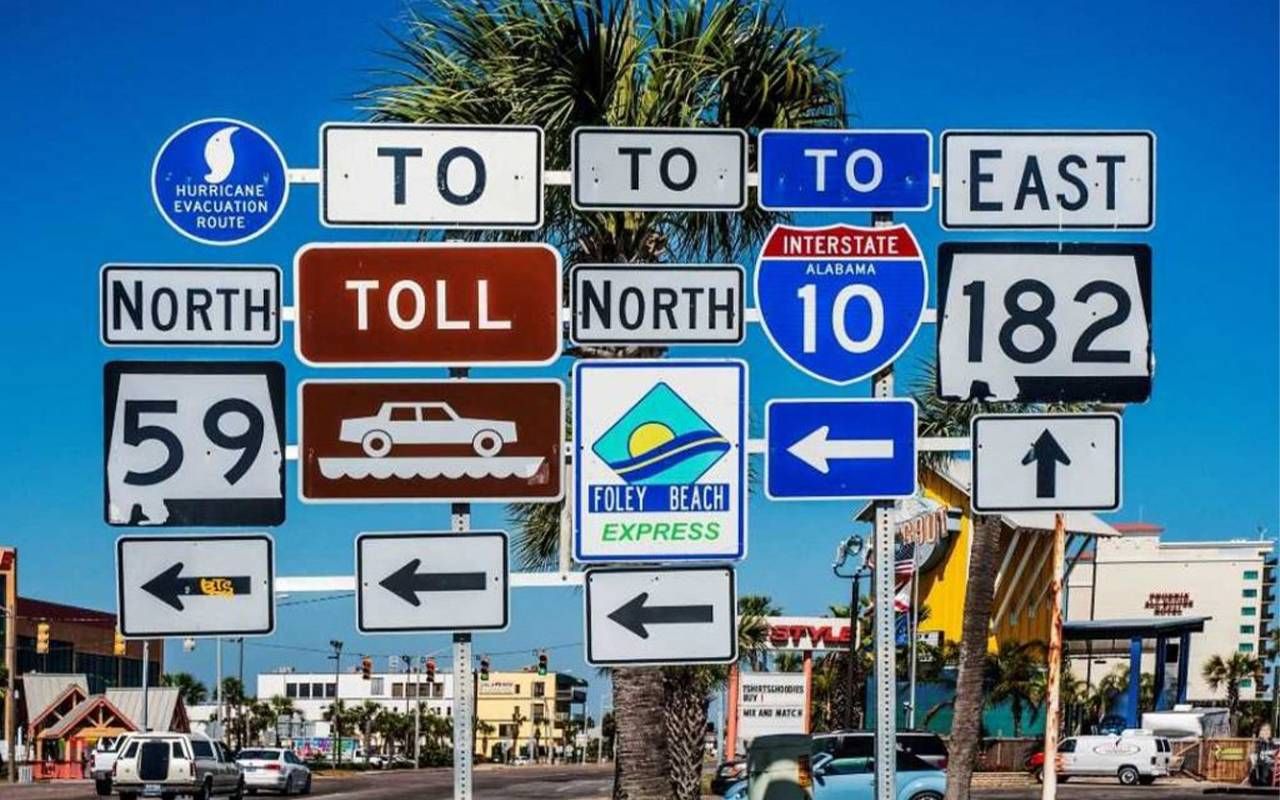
(425, 423)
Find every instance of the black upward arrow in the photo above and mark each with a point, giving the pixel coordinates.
(406, 582)
(634, 615)
(1047, 454)
(170, 589)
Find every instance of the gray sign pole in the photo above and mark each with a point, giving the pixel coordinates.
(464, 700)
(886, 672)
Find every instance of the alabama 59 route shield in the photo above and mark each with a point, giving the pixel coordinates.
(841, 302)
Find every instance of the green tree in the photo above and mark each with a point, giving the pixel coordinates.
(339, 717)
(559, 65)
(192, 691)
(281, 708)
(233, 699)
(1226, 673)
(362, 717)
(1014, 674)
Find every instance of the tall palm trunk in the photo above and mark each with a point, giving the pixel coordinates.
(686, 721)
(640, 751)
(966, 726)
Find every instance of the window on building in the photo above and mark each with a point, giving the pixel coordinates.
(331, 690)
(539, 689)
(1246, 683)
(317, 690)
(1247, 629)
(1246, 647)
(376, 686)
(1248, 611)
(1249, 593)
(304, 690)
(397, 690)
(1250, 574)
(291, 690)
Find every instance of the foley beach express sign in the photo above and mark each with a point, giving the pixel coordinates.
(220, 181)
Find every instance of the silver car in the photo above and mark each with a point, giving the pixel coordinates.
(275, 769)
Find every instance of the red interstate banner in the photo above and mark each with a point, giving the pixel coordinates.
(450, 304)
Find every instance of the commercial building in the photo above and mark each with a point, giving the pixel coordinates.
(1137, 575)
(528, 713)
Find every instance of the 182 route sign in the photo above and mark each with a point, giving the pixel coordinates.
(194, 443)
(1040, 323)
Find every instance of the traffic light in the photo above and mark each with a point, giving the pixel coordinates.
(484, 668)
(542, 662)
(42, 637)
(431, 671)
(118, 647)
(366, 668)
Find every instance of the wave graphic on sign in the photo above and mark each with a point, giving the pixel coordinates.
(661, 440)
(407, 468)
(219, 155)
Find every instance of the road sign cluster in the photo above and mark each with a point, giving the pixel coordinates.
(659, 449)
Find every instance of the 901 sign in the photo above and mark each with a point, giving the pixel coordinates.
(194, 443)
(1044, 322)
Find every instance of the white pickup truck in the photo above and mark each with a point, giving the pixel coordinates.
(104, 758)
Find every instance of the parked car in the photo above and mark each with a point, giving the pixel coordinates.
(165, 765)
(274, 768)
(853, 778)
(1133, 758)
(925, 745)
(104, 758)
(727, 774)
(425, 423)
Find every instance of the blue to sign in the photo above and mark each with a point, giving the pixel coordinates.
(845, 170)
(839, 449)
(220, 181)
(841, 302)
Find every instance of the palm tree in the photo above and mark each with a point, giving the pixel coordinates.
(281, 706)
(362, 716)
(1219, 672)
(337, 715)
(484, 730)
(788, 662)
(233, 697)
(192, 691)
(753, 609)
(261, 716)
(1015, 675)
(679, 63)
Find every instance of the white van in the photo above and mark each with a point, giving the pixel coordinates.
(1132, 757)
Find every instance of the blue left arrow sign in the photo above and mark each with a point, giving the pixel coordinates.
(838, 449)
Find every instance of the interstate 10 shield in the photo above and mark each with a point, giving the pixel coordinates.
(841, 302)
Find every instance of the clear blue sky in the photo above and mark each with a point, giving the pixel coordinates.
(93, 90)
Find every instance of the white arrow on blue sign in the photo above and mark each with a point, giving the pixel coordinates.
(838, 449)
(845, 170)
(841, 302)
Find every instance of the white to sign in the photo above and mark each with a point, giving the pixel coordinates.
(1040, 322)
(632, 304)
(1103, 180)
(194, 443)
(170, 304)
(195, 586)
(770, 702)
(661, 616)
(655, 169)
(408, 582)
(1050, 462)
(430, 176)
(659, 460)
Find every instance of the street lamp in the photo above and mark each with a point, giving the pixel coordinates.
(851, 550)
(336, 711)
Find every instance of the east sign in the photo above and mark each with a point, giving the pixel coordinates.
(427, 304)
(430, 176)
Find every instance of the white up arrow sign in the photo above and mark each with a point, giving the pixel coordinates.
(815, 449)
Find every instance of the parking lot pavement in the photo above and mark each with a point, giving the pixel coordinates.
(1109, 789)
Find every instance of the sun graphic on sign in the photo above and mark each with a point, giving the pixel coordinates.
(661, 440)
(647, 437)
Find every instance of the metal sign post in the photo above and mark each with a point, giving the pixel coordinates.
(1051, 717)
(464, 690)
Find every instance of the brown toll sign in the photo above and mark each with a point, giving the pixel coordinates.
(440, 304)
(425, 441)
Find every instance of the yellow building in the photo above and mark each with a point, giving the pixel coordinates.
(1020, 611)
(527, 714)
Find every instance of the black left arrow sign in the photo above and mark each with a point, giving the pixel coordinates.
(406, 582)
(635, 615)
(170, 588)
(1047, 455)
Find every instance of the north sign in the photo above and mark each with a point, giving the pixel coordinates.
(220, 181)
(846, 170)
(841, 302)
(638, 304)
(837, 449)
(443, 304)
(1047, 462)
(430, 176)
(172, 304)
(195, 586)
(411, 582)
(659, 460)
(661, 616)
(446, 441)
(1083, 180)
(1044, 322)
(194, 443)
(657, 169)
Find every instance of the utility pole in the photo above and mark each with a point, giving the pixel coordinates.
(1049, 789)
(11, 666)
(851, 548)
(417, 715)
(217, 688)
(915, 635)
(464, 704)
(336, 711)
(146, 663)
